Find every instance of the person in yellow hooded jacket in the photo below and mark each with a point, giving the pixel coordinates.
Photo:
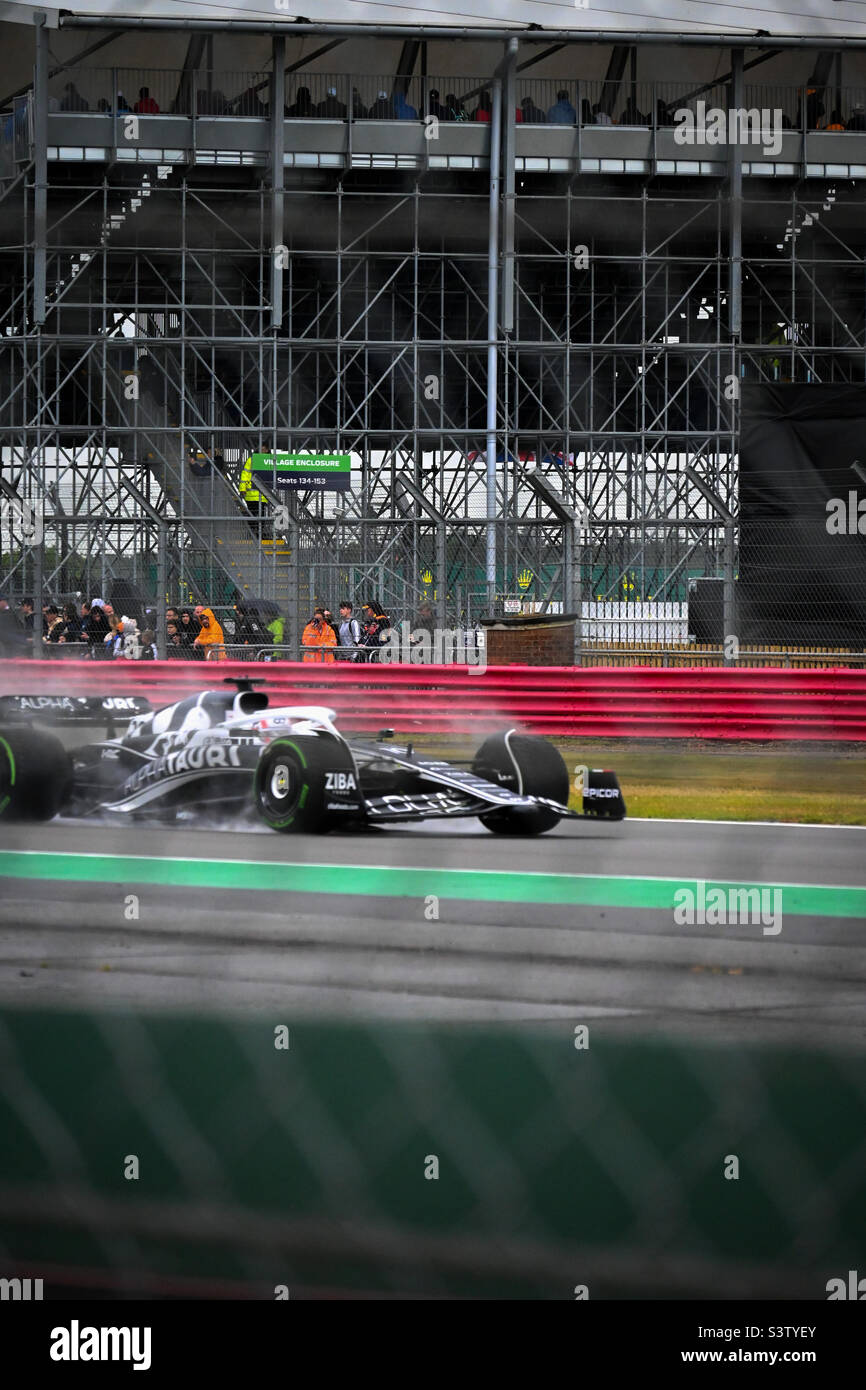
(210, 641)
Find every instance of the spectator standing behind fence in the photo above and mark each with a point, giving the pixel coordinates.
(532, 114)
(348, 634)
(72, 99)
(189, 628)
(210, 639)
(402, 108)
(175, 647)
(562, 112)
(54, 625)
(146, 106)
(382, 108)
(331, 107)
(375, 623)
(302, 106)
(318, 639)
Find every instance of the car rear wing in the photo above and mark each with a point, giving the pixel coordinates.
(72, 709)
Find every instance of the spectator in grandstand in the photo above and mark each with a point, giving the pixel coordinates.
(13, 639)
(146, 106)
(375, 623)
(329, 619)
(127, 641)
(95, 627)
(122, 104)
(331, 107)
(189, 627)
(632, 115)
(103, 106)
(54, 624)
(835, 122)
(382, 108)
(402, 108)
(276, 629)
(585, 111)
(663, 116)
(814, 109)
(72, 99)
(148, 645)
(318, 639)
(599, 116)
(348, 633)
(532, 114)
(484, 109)
(72, 624)
(175, 647)
(302, 106)
(857, 120)
(562, 112)
(172, 616)
(249, 631)
(210, 640)
(359, 110)
(455, 110)
(435, 107)
(250, 104)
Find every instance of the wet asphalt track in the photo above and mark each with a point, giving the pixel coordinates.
(626, 968)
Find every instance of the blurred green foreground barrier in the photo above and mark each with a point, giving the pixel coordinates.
(162, 1156)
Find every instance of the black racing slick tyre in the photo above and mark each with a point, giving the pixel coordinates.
(528, 765)
(305, 783)
(35, 775)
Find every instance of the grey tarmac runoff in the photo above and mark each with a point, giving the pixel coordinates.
(444, 923)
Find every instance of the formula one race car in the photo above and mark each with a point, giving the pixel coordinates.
(226, 752)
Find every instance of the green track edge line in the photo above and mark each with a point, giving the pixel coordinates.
(818, 900)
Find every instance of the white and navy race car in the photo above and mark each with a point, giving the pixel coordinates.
(228, 752)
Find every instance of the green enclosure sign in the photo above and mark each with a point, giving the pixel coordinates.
(325, 471)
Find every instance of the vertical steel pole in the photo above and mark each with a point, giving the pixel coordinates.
(161, 589)
(40, 180)
(729, 619)
(735, 205)
(492, 332)
(278, 175)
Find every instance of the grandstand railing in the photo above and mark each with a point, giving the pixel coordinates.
(244, 94)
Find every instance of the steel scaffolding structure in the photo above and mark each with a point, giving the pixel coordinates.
(450, 328)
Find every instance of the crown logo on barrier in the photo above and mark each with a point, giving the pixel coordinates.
(524, 579)
(427, 577)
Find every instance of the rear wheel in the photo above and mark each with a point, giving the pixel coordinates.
(530, 766)
(35, 775)
(300, 781)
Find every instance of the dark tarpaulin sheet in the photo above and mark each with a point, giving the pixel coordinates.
(799, 584)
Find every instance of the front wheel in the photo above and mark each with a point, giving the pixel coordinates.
(306, 784)
(529, 766)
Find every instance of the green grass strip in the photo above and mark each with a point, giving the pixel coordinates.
(375, 880)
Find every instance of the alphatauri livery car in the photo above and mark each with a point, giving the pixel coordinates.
(227, 753)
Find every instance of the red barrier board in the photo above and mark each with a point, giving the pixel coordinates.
(601, 702)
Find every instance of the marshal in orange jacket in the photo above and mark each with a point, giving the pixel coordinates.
(318, 633)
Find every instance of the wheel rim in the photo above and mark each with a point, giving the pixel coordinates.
(280, 784)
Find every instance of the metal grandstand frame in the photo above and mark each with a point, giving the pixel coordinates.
(450, 327)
